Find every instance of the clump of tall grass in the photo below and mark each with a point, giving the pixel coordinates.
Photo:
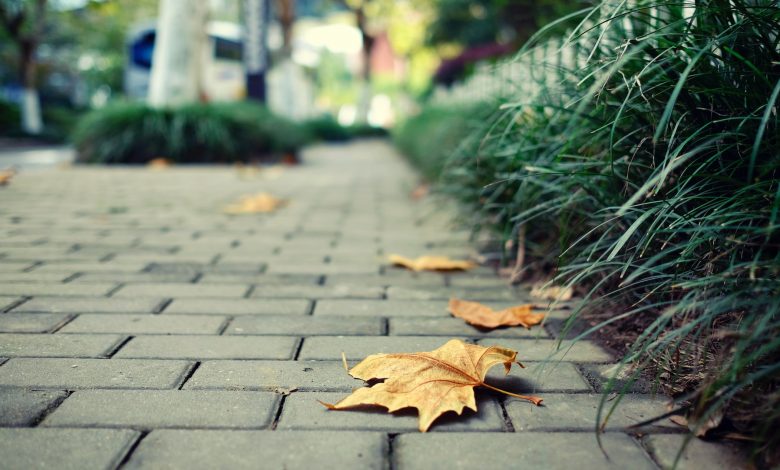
(641, 159)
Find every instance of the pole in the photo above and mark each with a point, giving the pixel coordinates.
(256, 13)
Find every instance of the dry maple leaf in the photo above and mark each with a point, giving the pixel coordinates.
(558, 293)
(433, 382)
(483, 316)
(262, 202)
(6, 175)
(431, 263)
(159, 163)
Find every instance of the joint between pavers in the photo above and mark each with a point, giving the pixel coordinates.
(385, 326)
(508, 425)
(32, 266)
(107, 258)
(62, 324)
(225, 324)
(310, 308)
(72, 277)
(128, 454)
(15, 304)
(162, 306)
(196, 278)
(298, 348)
(278, 414)
(249, 291)
(188, 375)
(390, 450)
(119, 345)
(50, 408)
(215, 259)
(115, 289)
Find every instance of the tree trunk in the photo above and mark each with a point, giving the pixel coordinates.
(364, 100)
(32, 122)
(178, 52)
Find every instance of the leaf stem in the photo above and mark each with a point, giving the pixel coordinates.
(535, 400)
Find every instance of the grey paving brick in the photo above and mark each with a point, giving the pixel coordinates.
(194, 268)
(32, 345)
(358, 347)
(484, 294)
(622, 376)
(165, 409)
(70, 267)
(52, 289)
(381, 280)
(146, 324)
(259, 279)
(65, 449)
(304, 325)
(382, 308)
(75, 374)
(133, 277)
(526, 450)
(578, 412)
(89, 305)
(31, 322)
(198, 449)
(318, 292)
(239, 306)
(201, 347)
(33, 277)
(403, 326)
(698, 454)
(272, 375)
(20, 407)
(281, 267)
(541, 349)
(539, 377)
(182, 290)
(303, 411)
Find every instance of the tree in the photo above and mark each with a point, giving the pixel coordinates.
(24, 21)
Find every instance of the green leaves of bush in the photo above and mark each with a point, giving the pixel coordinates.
(134, 133)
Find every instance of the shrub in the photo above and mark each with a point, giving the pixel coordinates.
(646, 171)
(132, 133)
(327, 129)
(430, 137)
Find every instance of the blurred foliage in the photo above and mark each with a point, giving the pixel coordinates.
(327, 129)
(134, 133)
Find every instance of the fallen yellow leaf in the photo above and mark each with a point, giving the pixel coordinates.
(262, 202)
(431, 263)
(483, 316)
(159, 163)
(558, 293)
(433, 382)
(6, 176)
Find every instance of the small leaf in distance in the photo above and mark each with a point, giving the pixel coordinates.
(431, 263)
(474, 313)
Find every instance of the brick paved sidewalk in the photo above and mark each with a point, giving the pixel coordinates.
(141, 327)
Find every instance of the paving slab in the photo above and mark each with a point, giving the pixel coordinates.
(290, 450)
(697, 454)
(317, 292)
(382, 308)
(520, 450)
(73, 374)
(272, 375)
(74, 449)
(239, 306)
(49, 289)
(147, 324)
(357, 348)
(35, 345)
(89, 305)
(177, 290)
(544, 349)
(304, 325)
(20, 407)
(302, 410)
(403, 326)
(203, 347)
(6, 301)
(32, 322)
(151, 409)
(579, 411)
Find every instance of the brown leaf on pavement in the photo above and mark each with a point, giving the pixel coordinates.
(431, 263)
(433, 382)
(259, 203)
(558, 293)
(6, 176)
(159, 163)
(474, 313)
